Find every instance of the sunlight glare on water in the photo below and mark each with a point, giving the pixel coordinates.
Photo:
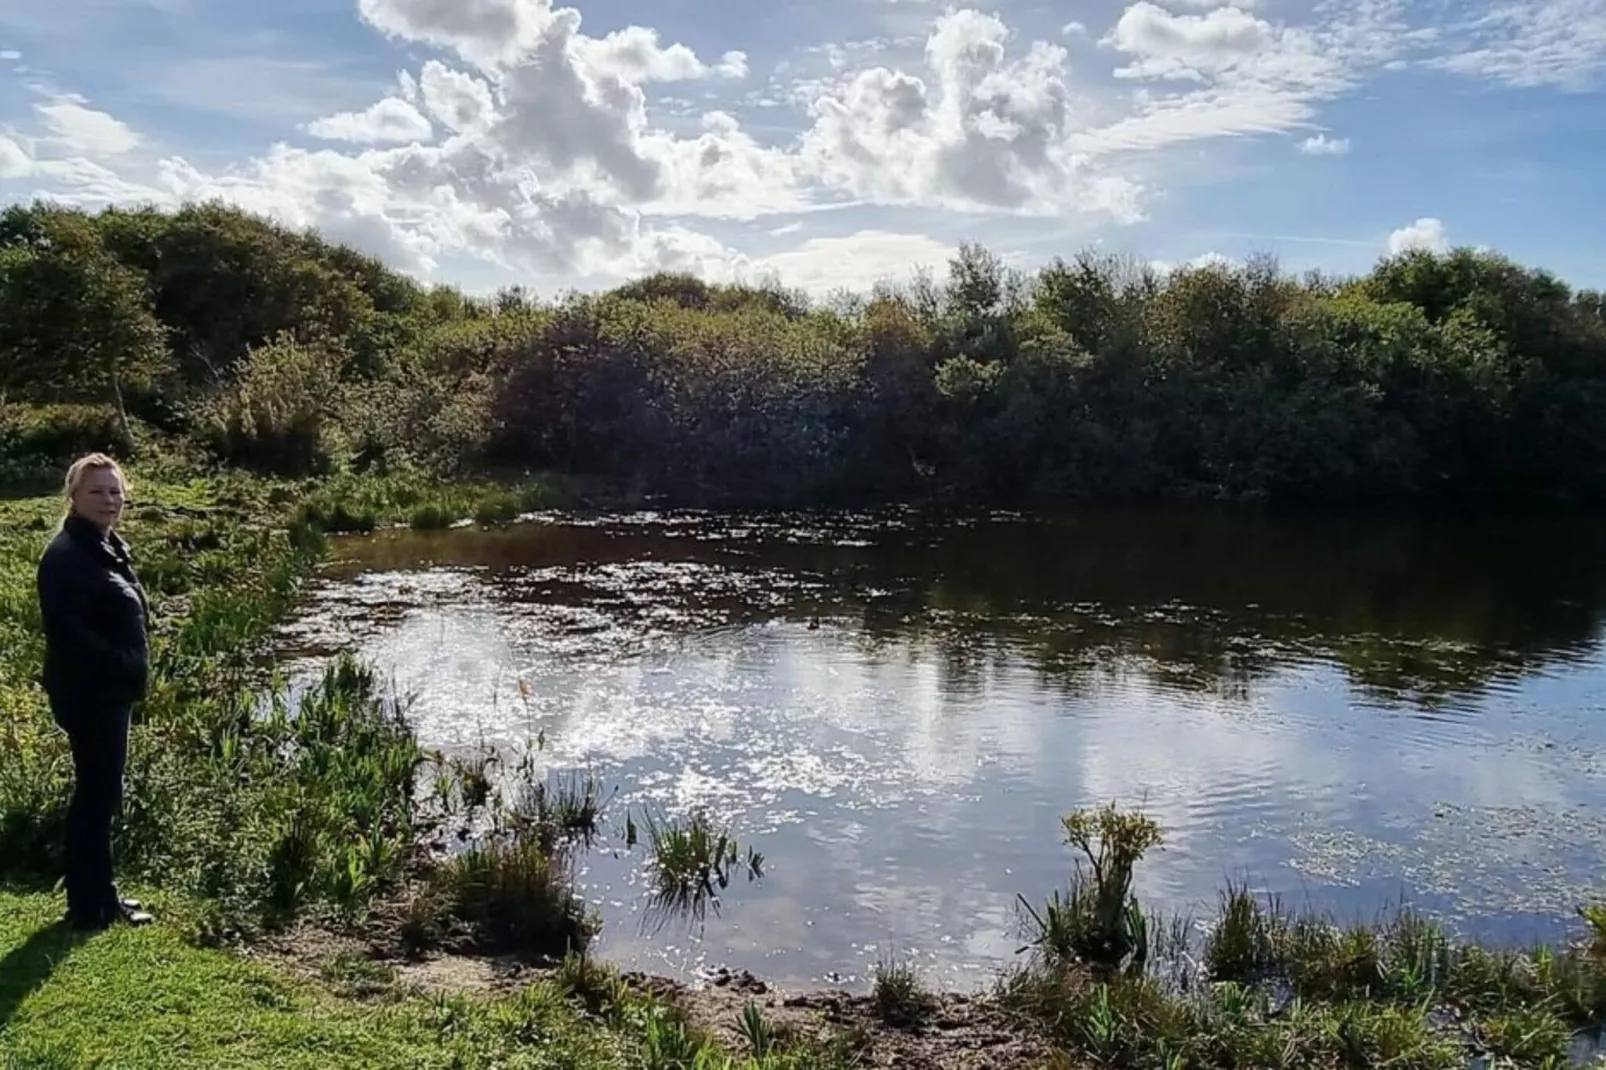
(896, 709)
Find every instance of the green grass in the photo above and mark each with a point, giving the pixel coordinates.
(899, 997)
(692, 862)
(147, 1000)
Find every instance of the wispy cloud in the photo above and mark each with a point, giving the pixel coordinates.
(257, 88)
(1532, 43)
(76, 129)
(1322, 145)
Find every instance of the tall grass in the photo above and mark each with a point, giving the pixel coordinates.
(260, 802)
(511, 893)
(1291, 990)
(1099, 922)
(691, 863)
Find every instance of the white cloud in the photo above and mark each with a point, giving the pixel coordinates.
(1322, 145)
(978, 130)
(1203, 260)
(634, 52)
(81, 131)
(484, 32)
(1188, 46)
(10, 55)
(14, 162)
(1227, 73)
(723, 172)
(1530, 43)
(855, 262)
(527, 146)
(1427, 234)
(458, 101)
(388, 121)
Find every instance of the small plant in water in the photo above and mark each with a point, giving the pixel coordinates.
(566, 809)
(692, 861)
(1100, 922)
(1595, 916)
(514, 896)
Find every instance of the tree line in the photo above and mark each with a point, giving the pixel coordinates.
(1462, 376)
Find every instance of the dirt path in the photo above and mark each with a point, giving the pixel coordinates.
(957, 1032)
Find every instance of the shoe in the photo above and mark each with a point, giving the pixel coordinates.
(132, 915)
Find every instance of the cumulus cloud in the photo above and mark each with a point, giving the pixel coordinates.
(388, 121)
(529, 146)
(1322, 145)
(1230, 73)
(1203, 260)
(1426, 234)
(1188, 47)
(458, 101)
(977, 129)
(635, 53)
(78, 130)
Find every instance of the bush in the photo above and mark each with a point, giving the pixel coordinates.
(57, 434)
(277, 415)
(514, 895)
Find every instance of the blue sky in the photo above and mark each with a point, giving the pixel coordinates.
(486, 142)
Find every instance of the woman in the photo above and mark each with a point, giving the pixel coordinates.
(97, 661)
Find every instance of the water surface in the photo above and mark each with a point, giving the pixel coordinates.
(896, 708)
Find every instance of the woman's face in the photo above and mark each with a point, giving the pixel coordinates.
(99, 497)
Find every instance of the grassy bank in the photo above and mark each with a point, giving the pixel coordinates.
(147, 1000)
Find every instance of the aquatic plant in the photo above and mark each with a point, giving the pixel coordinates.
(496, 509)
(1099, 922)
(691, 862)
(1242, 945)
(511, 894)
(1301, 991)
(561, 810)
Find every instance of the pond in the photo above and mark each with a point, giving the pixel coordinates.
(896, 708)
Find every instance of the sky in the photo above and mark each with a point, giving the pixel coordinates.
(486, 143)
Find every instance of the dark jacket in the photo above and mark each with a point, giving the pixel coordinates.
(97, 646)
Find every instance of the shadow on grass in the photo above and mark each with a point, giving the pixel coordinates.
(28, 966)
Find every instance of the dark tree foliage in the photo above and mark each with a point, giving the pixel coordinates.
(1463, 376)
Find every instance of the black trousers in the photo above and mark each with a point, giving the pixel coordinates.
(100, 757)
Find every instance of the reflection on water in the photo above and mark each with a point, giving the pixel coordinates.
(895, 709)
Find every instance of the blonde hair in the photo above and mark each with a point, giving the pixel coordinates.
(89, 462)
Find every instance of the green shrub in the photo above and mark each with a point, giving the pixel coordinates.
(277, 415)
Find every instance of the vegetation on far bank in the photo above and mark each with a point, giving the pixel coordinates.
(1460, 376)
